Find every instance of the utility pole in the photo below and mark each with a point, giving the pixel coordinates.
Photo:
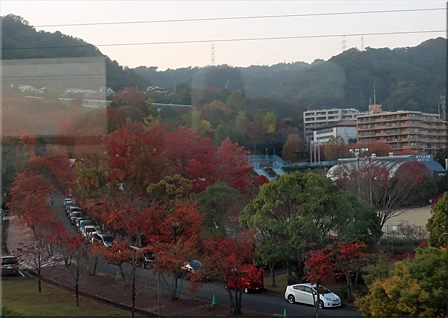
(213, 55)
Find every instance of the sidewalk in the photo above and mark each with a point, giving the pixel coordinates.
(110, 289)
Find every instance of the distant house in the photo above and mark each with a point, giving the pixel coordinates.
(159, 90)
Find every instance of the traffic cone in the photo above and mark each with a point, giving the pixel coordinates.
(284, 312)
(213, 301)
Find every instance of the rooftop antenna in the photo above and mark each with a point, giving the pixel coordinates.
(374, 94)
(213, 55)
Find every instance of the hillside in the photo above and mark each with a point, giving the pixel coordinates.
(410, 78)
(18, 37)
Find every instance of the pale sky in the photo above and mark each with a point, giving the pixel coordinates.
(316, 31)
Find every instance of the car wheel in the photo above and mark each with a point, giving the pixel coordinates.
(246, 290)
(291, 299)
(321, 304)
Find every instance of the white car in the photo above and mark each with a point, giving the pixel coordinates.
(303, 293)
(89, 230)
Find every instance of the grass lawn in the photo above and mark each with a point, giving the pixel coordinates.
(20, 297)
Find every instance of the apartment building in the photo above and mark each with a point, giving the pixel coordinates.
(312, 119)
(403, 130)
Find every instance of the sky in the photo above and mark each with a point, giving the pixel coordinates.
(313, 29)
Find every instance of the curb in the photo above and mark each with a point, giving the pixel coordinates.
(96, 297)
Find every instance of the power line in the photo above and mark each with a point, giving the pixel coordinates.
(230, 18)
(227, 40)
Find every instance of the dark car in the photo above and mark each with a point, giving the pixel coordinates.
(146, 259)
(74, 216)
(191, 267)
(9, 265)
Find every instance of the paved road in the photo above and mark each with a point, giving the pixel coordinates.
(263, 301)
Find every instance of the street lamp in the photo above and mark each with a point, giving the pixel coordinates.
(356, 153)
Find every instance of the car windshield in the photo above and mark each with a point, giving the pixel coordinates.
(76, 214)
(195, 265)
(108, 239)
(322, 290)
(89, 229)
(85, 222)
(9, 260)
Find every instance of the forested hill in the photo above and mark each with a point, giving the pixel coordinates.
(18, 37)
(410, 78)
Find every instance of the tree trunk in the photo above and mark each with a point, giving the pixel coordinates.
(77, 292)
(232, 305)
(39, 281)
(273, 275)
(349, 287)
(240, 295)
(122, 273)
(94, 266)
(316, 303)
(356, 278)
(133, 291)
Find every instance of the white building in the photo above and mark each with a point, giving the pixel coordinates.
(346, 129)
(313, 119)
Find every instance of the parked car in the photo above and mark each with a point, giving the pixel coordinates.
(89, 230)
(74, 216)
(9, 265)
(249, 285)
(83, 223)
(67, 200)
(83, 218)
(191, 267)
(146, 259)
(71, 209)
(104, 238)
(303, 293)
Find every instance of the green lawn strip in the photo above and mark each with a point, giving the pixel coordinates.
(22, 297)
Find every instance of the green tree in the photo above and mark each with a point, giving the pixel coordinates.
(415, 288)
(335, 148)
(437, 225)
(241, 121)
(292, 146)
(269, 121)
(236, 101)
(302, 208)
(218, 204)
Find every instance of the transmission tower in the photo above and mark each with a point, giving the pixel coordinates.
(362, 43)
(344, 43)
(213, 55)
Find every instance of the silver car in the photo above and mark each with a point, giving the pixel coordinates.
(303, 293)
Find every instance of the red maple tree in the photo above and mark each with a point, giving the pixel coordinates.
(227, 259)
